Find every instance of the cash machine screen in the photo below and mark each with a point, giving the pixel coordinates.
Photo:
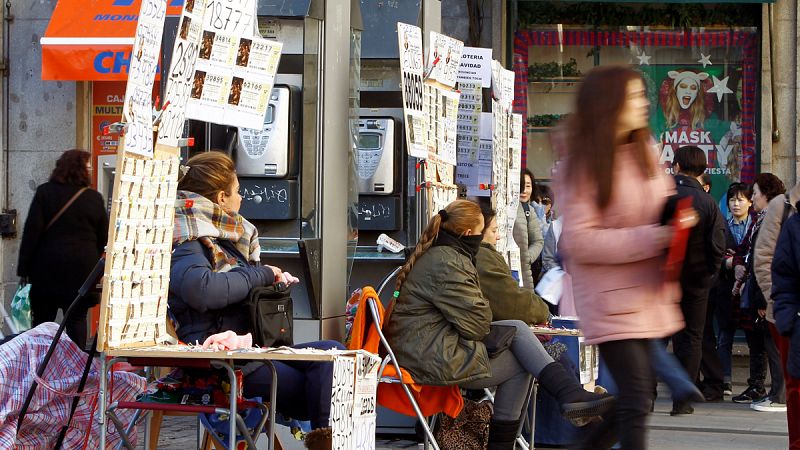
(369, 140)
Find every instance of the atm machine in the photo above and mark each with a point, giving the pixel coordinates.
(106, 170)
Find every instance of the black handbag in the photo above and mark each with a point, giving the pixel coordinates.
(499, 339)
(270, 310)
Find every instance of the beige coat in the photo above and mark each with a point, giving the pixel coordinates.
(616, 256)
(766, 241)
(527, 234)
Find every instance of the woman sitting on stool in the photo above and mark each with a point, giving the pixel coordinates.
(215, 265)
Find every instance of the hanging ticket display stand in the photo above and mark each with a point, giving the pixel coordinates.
(225, 71)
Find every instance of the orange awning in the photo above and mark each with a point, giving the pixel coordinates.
(92, 39)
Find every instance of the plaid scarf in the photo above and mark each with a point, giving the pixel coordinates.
(198, 218)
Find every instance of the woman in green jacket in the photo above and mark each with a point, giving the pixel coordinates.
(440, 319)
(507, 299)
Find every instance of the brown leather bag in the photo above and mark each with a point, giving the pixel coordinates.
(468, 431)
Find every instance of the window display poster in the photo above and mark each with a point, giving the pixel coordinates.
(137, 109)
(475, 66)
(412, 69)
(444, 59)
(181, 72)
(696, 105)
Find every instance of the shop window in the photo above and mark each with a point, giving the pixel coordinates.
(702, 84)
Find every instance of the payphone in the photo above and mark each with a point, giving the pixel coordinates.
(267, 159)
(271, 151)
(375, 155)
(379, 167)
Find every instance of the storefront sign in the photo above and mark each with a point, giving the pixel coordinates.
(413, 71)
(137, 109)
(476, 65)
(235, 69)
(93, 40)
(107, 100)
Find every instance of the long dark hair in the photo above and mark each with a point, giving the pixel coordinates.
(593, 130)
(71, 168)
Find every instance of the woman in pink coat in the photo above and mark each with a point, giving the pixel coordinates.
(613, 195)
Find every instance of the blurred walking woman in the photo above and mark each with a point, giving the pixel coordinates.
(64, 236)
(614, 243)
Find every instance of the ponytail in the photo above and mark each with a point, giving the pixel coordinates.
(458, 217)
(425, 242)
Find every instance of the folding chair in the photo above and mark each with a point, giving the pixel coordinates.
(369, 310)
(240, 426)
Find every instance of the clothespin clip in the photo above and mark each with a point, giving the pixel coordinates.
(433, 66)
(158, 114)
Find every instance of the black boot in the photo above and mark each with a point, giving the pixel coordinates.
(575, 401)
(502, 435)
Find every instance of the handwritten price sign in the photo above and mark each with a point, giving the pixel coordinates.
(232, 17)
(137, 109)
(181, 74)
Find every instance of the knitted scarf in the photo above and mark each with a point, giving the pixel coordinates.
(198, 218)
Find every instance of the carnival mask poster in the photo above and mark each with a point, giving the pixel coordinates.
(701, 106)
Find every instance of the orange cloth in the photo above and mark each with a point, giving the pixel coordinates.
(431, 399)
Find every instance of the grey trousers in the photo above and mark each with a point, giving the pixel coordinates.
(512, 371)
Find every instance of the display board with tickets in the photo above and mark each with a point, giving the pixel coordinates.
(223, 71)
(430, 111)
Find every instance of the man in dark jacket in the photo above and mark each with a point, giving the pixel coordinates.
(786, 297)
(704, 252)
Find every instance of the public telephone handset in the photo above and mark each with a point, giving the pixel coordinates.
(390, 244)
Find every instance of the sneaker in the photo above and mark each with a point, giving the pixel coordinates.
(727, 389)
(750, 395)
(769, 406)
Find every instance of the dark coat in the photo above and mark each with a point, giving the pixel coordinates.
(204, 302)
(786, 289)
(57, 261)
(706, 245)
(721, 293)
(507, 299)
(440, 319)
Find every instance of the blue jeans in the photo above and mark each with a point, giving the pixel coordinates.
(304, 387)
(725, 351)
(670, 371)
